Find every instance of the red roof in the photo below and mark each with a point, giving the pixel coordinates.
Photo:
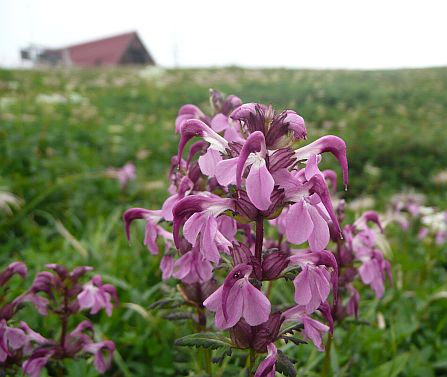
(107, 51)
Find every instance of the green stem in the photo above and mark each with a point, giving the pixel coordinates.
(325, 372)
(252, 360)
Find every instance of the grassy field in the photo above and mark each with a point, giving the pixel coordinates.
(61, 130)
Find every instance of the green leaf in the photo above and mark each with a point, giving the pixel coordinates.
(221, 356)
(284, 365)
(178, 316)
(171, 302)
(391, 368)
(205, 340)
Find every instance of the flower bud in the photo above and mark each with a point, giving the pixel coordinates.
(274, 264)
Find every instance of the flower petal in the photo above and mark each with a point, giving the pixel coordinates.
(260, 185)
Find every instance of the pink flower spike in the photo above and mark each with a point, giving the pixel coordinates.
(329, 143)
(266, 367)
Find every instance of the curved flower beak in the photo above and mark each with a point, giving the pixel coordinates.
(195, 127)
(329, 143)
(133, 214)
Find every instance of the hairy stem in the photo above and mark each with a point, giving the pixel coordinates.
(259, 237)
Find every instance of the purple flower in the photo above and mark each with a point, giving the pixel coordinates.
(153, 230)
(31, 337)
(103, 352)
(192, 267)
(372, 272)
(259, 182)
(167, 266)
(196, 128)
(267, 366)
(313, 330)
(187, 112)
(33, 366)
(329, 143)
(10, 339)
(95, 296)
(201, 226)
(313, 283)
(184, 187)
(124, 175)
(18, 268)
(237, 298)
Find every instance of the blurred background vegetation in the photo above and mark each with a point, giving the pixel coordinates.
(61, 130)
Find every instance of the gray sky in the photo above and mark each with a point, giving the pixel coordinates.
(310, 33)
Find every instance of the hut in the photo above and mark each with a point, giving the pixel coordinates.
(122, 49)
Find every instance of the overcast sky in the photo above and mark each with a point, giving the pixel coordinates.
(311, 33)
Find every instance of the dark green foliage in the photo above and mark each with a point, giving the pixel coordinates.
(205, 340)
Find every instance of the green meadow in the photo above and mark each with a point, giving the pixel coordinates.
(60, 130)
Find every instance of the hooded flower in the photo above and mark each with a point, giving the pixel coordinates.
(103, 352)
(313, 283)
(187, 112)
(198, 214)
(313, 329)
(153, 230)
(237, 298)
(259, 183)
(192, 267)
(11, 339)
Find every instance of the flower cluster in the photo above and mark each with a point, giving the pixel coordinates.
(241, 181)
(431, 221)
(58, 292)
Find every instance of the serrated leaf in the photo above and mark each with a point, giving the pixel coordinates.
(221, 356)
(293, 339)
(205, 340)
(291, 329)
(284, 365)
